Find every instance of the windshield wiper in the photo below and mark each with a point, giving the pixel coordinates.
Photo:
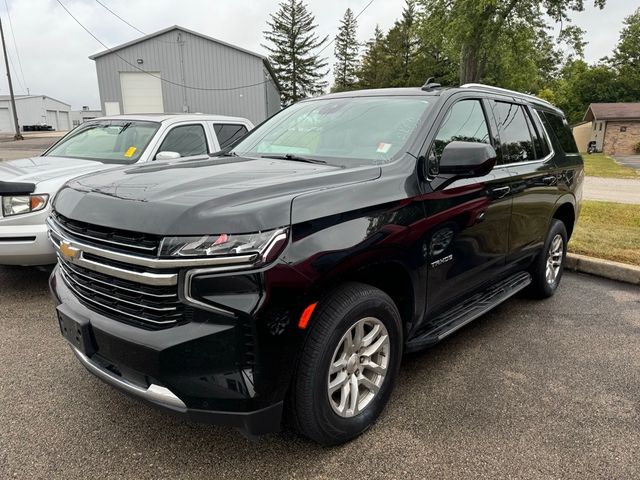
(294, 158)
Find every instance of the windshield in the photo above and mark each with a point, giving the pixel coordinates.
(107, 141)
(341, 131)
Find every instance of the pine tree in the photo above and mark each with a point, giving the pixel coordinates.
(374, 71)
(293, 42)
(346, 51)
(402, 43)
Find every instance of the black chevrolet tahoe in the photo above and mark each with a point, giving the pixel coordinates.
(284, 277)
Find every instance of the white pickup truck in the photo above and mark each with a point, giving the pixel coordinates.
(28, 185)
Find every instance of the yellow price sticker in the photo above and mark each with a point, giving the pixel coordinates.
(130, 151)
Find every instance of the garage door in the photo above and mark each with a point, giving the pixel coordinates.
(5, 120)
(52, 119)
(141, 93)
(63, 118)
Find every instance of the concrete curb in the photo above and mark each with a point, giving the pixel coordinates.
(603, 268)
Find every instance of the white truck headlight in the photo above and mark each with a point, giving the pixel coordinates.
(19, 204)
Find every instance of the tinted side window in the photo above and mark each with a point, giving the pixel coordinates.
(465, 122)
(187, 140)
(228, 133)
(560, 128)
(539, 140)
(515, 138)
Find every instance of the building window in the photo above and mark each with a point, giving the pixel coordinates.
(623, 129)
(601, 126)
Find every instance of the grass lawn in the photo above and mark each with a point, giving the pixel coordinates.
(608, 230)
(600, 165)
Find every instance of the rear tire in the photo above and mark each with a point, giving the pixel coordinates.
(549, 265)
(348, 364)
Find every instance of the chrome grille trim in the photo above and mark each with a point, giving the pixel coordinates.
(106, 307)
(66, 265)
(147, 278)
(117, 299)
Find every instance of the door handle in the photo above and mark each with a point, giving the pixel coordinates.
(551, 180)
(501, 192)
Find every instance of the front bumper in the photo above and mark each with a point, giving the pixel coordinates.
(25, 245)
(197, 370)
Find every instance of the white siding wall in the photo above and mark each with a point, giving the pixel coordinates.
(33, 111)
(207, 64)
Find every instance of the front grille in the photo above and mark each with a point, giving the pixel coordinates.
(151, 306)
(119, 240)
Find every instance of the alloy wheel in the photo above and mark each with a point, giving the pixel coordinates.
(358, 367)
(554, 259)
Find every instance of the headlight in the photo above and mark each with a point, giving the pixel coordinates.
(19, 204)
(266, 245)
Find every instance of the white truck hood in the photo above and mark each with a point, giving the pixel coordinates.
(48, 169)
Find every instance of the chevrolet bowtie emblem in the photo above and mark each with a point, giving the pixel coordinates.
(69, 251)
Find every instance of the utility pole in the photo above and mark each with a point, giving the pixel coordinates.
(18, 135)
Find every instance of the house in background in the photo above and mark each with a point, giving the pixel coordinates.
(34, 110)
(582, 135)
(615, 127)
(154, 73)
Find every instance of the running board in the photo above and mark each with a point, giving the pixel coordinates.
(465, 312)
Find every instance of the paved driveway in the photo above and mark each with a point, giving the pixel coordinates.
(632, 161)
(531, 390)
(619, 190)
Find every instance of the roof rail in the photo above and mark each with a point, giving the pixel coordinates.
(491, 88)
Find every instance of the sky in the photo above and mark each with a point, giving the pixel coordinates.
(54, 50)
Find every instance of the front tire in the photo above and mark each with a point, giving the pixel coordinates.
(549, 265)
(348, 365)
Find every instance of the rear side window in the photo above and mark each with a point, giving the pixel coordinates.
(515, 135)
(560, 128)
(228, 133)
(187, 140)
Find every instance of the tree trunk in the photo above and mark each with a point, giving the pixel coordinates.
(470, 64)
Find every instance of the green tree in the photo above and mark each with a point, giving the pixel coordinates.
(346, 52)
(477, 28)
(374, 68)
(626, 59)
(292, 47)
(627, 52)
(402, 45)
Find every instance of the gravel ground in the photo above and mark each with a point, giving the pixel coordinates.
(32, 145)
(531, 390)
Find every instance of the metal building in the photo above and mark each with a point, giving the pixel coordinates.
(153, 74)
(34, 110)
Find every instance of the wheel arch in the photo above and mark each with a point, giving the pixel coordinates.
(565, 211)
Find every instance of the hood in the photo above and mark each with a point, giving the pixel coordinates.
(219, 195)
(42, 169)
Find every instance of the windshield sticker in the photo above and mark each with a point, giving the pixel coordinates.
(130, 151)
(383, 147)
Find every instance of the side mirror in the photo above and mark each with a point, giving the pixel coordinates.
(167, 155)
(467, 159)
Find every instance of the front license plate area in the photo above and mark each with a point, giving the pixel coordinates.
(78, 334)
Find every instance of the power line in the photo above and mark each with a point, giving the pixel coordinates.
(118, 16)
(15, 45)
(129, 23)
(356, 18)
(149, 73)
